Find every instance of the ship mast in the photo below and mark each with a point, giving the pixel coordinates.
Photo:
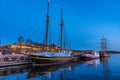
(47, 26)
(104, 48)
(103, 44)
(61, 29)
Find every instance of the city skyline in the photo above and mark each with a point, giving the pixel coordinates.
(86, 21)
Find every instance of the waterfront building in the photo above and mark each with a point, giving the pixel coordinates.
(36, 48)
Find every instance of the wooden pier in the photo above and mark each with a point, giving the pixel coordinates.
(13, 60)
(6, 64)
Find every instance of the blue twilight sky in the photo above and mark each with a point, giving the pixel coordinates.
(86, 21)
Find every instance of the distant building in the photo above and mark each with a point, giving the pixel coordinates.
(34, 47)
(17, 47)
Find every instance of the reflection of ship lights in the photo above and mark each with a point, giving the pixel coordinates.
(49, 74)
(94, 62)
(70, 68)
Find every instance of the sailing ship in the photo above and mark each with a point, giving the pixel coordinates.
(49, 57)
(104, 47)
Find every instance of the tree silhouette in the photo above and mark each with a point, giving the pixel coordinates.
(29, 41)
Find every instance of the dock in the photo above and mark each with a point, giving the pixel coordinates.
(14, 60)
(6, 64)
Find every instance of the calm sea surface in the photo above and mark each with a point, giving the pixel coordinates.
(104, 69)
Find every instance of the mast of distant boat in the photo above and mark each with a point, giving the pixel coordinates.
(47, 26)
(61, 29)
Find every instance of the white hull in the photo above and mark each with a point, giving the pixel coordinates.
(53, 54)
(50, 58)
(94, 55)
(89, 56)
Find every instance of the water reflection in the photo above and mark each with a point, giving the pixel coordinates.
(104, 59)
(47, 71)
(96, 62)
(6, 71)
(61, 71)
(93, 62)
(103, 69)
(105, 65)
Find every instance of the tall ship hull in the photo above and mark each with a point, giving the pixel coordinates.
(47, 60)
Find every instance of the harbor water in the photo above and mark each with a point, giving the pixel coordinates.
(97, 69)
